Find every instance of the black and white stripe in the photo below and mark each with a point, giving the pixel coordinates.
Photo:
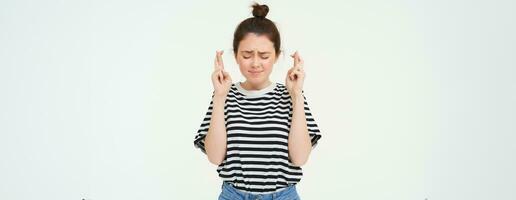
(257, 139)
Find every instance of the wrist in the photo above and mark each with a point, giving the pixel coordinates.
(219, 98)
(296, 94)
(297, 98)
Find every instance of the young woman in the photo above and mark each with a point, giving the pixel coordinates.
(258, 132)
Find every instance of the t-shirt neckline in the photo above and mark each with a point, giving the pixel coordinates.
(255, 92)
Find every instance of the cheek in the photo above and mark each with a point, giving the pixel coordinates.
(244, 63)
(268, 64)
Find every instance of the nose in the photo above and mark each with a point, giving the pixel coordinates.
(255, 63)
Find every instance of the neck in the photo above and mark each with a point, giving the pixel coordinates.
(255, 86)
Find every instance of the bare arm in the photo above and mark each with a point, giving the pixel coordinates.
(215, 142)
(299, 144)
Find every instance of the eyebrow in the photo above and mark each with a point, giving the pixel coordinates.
(259, 52)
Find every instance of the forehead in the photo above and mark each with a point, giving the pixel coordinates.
(253, 42)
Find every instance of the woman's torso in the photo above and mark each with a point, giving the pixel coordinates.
(257, 125)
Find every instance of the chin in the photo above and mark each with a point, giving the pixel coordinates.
(255, 79)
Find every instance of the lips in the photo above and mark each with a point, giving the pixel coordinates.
(255, 72)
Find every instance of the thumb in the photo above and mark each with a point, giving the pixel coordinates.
(226, 74)
(292, 76)
(220, 76)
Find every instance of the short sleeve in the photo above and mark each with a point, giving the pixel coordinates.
(203, 129)
(313, 128)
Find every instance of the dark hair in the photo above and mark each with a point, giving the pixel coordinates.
(258, 25)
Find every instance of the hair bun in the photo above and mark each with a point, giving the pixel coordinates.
(260, 10)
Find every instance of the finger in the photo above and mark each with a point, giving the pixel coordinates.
(219, 59)
(300, 74)
(292, 76)
(226, 75)
(215, 63)
(297, 75)
(301, 62)
(220, 76)
(297, 60)
(289, 72)
(295, 56)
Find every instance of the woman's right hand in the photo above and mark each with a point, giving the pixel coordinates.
(220, 78)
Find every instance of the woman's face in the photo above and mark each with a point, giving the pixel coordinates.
(256, 56)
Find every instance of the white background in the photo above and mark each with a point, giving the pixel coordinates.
(101, 99)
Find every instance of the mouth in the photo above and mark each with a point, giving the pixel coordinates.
(255, 72)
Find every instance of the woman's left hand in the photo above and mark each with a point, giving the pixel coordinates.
(295, 76)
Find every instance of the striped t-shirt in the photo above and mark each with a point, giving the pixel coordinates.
(257, 125)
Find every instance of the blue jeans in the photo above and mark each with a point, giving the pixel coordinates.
(231, 193)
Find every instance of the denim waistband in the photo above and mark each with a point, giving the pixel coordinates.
(271, 195)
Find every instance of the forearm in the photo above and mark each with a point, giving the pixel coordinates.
(299, 145)
(215, 141)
